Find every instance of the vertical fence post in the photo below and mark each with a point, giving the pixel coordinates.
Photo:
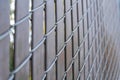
(21, 38)
(68, 54)
(50, 42)
(60, 35)
(4, 43)
(37, 34)
(75, 21)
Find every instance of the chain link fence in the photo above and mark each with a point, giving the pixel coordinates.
(59, 40)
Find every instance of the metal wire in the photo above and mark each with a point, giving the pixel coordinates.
(79, 74)
(83, 66)
(2, 36)
(114, 64)
(6, 33)
(115, 70)
(118, 72)
(105, 62)
(101, 63)
(69, 38)
(79, 50)
(19, 67)
(26, 60)
(44, 38)
(41, 41)
(101, 58)
(104, 67)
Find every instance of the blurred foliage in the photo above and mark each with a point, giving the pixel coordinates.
(11, 57)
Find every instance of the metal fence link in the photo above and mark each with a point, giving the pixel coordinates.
(106, 40)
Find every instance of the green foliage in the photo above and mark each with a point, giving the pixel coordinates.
(11, 63)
